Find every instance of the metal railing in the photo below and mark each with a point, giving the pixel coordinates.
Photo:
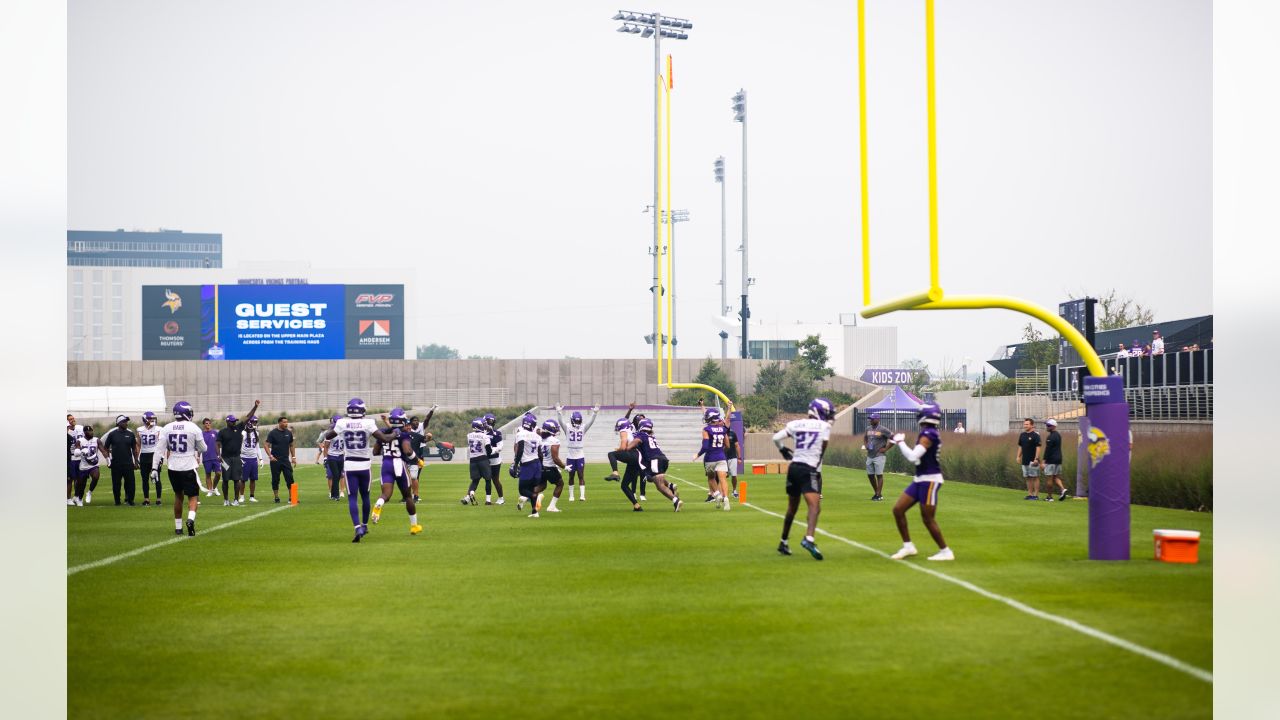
(303, 401)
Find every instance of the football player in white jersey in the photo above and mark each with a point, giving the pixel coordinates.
(251, 455)
(74, 433)
(148, 435)
(181, 447)
(358, 433)
(479, 448)
(575, 434)
(804, 476)
(552, 464)
(526, 464)
(495, 459)
(89, 459)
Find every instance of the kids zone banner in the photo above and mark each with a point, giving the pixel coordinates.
(277, 322)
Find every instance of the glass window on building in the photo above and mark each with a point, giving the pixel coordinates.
(772, 349)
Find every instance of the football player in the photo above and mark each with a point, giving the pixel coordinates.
(148, 435)
(358, 433)
(250, 452)
(653, 463)
(212, 462)
(89, 459)
(575, 443)
(526, 465)
(74, 433)
(181, 447)
(627, 455)
(927, 485)
(495, 459)
(479, 448)
(613, 454)
(552, 464)
(804, 476)
(331, 452)
(714, 463)
(397, 454)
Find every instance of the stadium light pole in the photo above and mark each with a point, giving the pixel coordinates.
(657, 26)
(676, 216)
(740, 115)
(724, 262)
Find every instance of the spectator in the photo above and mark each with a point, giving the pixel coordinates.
(1028, 456)
(959, 427)
(1157, 343)
(1121, 351)
(1135, 349)
(1146, 351)
(1053, 461)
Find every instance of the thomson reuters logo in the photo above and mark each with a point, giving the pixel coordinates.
(374, 300)
(171, 328)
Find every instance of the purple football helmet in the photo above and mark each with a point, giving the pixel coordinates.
(529, 421)
(397, 418)
(149, 418)
(929, 414)
(252, 420)
(645, 425)
(355, 408)
(550, 426)
(621, 424)
(479, 424)
(821, 409)
(182, 410)
(334, 420)
(490, 419)
(575, 419)
(712, 415)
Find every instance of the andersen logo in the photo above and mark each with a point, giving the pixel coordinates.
(375, 332)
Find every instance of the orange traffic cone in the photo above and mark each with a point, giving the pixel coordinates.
(293, 494)
(742, 492)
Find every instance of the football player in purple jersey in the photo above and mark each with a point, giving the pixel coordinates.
(927, 485)
(397, 453)
(714, 463)
(653, 463)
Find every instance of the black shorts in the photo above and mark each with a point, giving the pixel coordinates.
(235, 468)
(184, 482)
(654, 466)
(529, 488)
(803, 479)
(550, 475)
(481, 469)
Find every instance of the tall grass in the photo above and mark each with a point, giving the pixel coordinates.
(1173, 470)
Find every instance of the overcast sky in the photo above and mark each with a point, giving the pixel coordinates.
(506, 155)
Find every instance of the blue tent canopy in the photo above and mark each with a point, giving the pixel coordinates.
(897, 399)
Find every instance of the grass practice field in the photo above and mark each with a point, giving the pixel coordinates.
(601, 612)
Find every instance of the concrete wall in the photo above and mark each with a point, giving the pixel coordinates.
(315, 384)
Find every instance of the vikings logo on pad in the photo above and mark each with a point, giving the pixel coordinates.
(1099, 446)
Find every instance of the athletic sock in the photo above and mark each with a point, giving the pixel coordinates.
(191, 515)
(582, 492)
(552, 506)
(380, 503)
(413, 519)
(809, 538)
(177, 523)
(488, 498)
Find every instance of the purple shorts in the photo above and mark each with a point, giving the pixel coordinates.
(389, 475)
(357, 480)
(531, 470)
(251, 469)
(212, 466)
(578, 464)
(925, 493)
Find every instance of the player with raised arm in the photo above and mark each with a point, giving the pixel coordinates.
(181, 448)
(250, 453)
(804, 476)
(925, 488)
(575, 434)
(419, 436)
(526, 464)
(90, 457)
(653, 463)
(552, 464)
(330, 453)
(714, 463)
(397, 454)
(495, 460)
(148, 436)
(634, 466)
(479, 448)
(614, 456)
(358, 433)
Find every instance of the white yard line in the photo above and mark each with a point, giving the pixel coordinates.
(1159, 657)
(176, 539)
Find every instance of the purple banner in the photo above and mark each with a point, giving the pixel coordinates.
(1107, 441)
(735, 426)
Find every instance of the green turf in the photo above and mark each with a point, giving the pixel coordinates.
(601, 612)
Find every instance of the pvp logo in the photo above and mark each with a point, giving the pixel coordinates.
(374, 300)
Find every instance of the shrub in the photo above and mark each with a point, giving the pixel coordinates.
(709, 374)
(1173, 470)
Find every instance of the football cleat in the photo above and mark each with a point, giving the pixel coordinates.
(677, 503)
(415, 529)
(812, 547)
(534, 515)
(253, 499)
(502, 501)
(226, 503)
(191, 527)
(177, 532)
(377, 514)
(520, 503)
(1063, 495)
(88, 497)
(906, 552)
(943, 554)
(361, 531)
(784, 548)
